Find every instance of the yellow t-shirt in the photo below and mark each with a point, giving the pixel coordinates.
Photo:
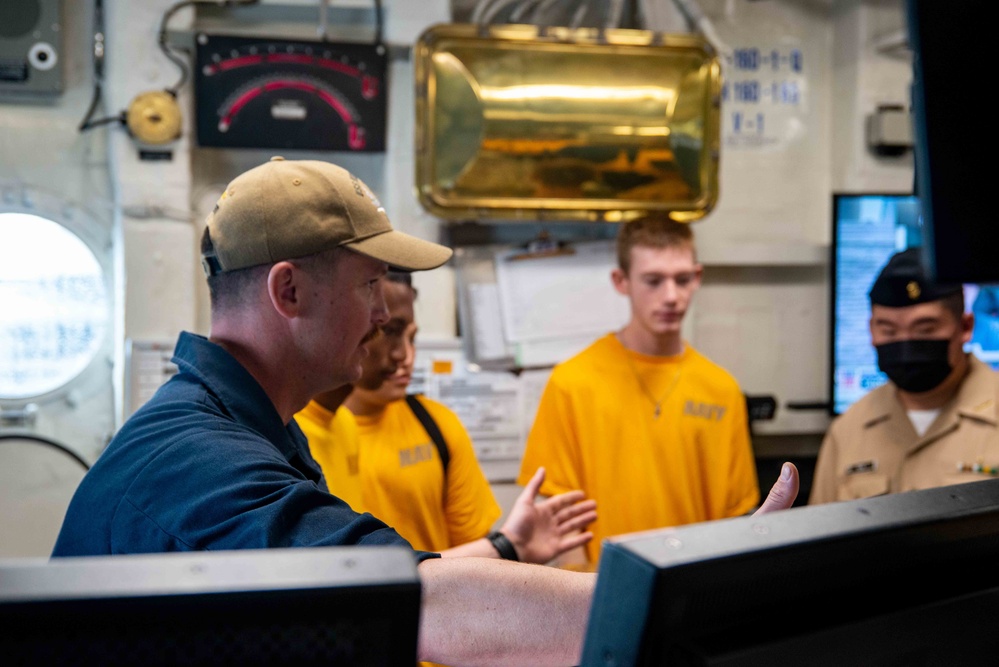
(403, 479)
(596, 430)
(333, 443)
(388, 466)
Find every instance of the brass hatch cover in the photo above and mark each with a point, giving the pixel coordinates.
(517, 122)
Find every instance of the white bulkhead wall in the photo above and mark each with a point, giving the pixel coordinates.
(762, 311)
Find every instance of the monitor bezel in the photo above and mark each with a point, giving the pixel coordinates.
(837, 197)
(719, 587)
(301, 605)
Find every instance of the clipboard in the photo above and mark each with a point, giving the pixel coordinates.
(541, 247)
(481, 315)
(559, 292)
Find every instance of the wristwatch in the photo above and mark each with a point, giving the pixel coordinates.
(503, 545)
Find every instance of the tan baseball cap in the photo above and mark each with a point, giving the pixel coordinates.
(285, 209)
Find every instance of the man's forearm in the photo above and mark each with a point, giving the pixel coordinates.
(480, 611)
(494, 612)
(481, 548)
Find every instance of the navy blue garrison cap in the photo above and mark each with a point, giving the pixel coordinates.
(904, 281)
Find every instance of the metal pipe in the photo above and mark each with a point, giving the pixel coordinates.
(696, 17)
(321, 29)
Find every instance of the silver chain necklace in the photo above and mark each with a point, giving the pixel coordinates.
(645, 390)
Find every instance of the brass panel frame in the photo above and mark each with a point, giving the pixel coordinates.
(520, 122)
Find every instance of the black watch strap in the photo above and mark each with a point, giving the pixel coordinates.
(503, 545)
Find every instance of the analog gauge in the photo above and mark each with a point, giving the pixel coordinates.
(259, 93)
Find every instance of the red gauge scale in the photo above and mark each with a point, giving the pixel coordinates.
(261, 93)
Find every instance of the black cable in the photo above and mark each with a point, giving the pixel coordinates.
(86, 123)
(120, 118)
(98, 61)
(164, 47)
(51, 443)
(97, 100)
(162, 35)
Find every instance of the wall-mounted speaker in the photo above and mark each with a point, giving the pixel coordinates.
(31, 46)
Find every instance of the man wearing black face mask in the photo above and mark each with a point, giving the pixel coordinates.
(935, 422)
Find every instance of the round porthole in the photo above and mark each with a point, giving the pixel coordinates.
(55, 306)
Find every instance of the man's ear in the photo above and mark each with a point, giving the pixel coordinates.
(698, 276)
(967, 326)
(620, 280)
(284, 289)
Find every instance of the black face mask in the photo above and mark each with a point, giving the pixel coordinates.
(915, 365)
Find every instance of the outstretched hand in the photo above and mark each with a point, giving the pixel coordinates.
(542, 530)
(783, 492)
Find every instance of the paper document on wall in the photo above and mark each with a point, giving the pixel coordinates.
(487, 322)
(436, 358)
(489, 404)
(535, 353)
(567, 295)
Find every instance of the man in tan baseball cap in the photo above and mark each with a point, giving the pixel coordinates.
(252, 222)
(296, 253)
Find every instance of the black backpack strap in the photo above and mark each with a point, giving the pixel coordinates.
(430, 426)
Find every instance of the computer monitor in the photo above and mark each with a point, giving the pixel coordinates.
(904, 579)
(306, 606)
(867, 229)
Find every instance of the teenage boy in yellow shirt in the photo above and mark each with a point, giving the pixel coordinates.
(643, 423)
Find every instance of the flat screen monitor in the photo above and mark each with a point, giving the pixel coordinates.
(307, 606)
(867, 229)
(898, 580)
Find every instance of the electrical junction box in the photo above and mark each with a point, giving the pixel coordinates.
(889, 131)
(31, 47)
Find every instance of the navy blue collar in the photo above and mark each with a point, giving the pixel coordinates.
(239, 392)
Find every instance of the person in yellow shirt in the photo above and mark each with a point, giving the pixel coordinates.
(332, 434)
(640, 421)
(380, 458)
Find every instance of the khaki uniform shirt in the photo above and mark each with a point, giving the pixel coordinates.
(873, 448)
